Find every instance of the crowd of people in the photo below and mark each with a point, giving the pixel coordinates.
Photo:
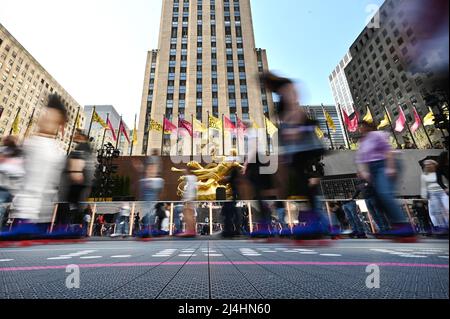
(37, 174)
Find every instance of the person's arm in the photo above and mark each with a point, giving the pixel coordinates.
(423, 187)
(440, 180)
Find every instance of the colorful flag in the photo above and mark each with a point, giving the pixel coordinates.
(429, 119)
(319, 133)
(242, 128)
(271, 128)
(368, 118)
(417, 121)
(96, 118)
(330, 121)
(169, 127)
(401, 121)
(199, 127)
(15, 125)
(385, 122)
(215, 123)
(255, 125)
(78, 122)
(155, 126)
(352, 124)
(113, 131)
(228, 124)
(124, 131)
(185, 126)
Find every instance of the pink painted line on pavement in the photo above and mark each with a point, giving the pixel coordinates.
(225, 263)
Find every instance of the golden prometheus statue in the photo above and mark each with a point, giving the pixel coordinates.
(210, 177)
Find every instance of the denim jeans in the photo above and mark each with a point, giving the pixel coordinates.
(384, 192)
(377, 215)
(281, 214)
(438, 208)
(122, 225)
(353, 218)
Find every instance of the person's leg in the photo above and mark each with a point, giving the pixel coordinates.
(384, 194)
(377, 215)
(349, 210)
(443, 198)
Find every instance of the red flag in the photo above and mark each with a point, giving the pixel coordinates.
(169, 127)
(111, 128)
(124, 131)
(352, 124)
(228, 124)
(242, 128)
(401, 122)
(417, 122)
(185, 126)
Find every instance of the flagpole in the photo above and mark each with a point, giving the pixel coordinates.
(90, 124)
(345, 127)
(223, 134)
(208, 136)
(178, 133)
(423, 127)
(192, 136)
(162, 135)
(328, 127)
(104, 132)
(134, 132)
(15, 119)
(237, 135)
(120, 133)
(73, 131)
(267, 136)
(390, 125)
(410, 132)
(29, 123)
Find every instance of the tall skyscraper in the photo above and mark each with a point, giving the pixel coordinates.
(24, 89)
(206, 64)
(400, 58)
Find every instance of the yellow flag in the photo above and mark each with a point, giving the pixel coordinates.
(134, 136)
(368, 118)
(155, 126)
(78, 122)
(255, 125)
(199, 127)
(330, 121)
(271, 128)
(15, 126)
(429, 119)
(385, 122)
(96, 118)
(319, 133)
(215, 123)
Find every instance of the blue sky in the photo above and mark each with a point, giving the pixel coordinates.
(96, 49)
(306, 39)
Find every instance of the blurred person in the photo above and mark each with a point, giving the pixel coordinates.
(87, 217)
(137, 223)
(442, 171)
(377, 165)
(301, 151)
(281, 214)
(160, 212)
(351, 212)
(178, 217)
(436, 195)
(11, 173)
(189, 212)
(123, 222)
(79, 173)
(151, 186)
(44, 161)
(423, 217)
(262, 184)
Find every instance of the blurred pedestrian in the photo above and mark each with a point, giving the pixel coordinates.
(11, 174)
(44, 161)
(377, 165)
(123, 221)
(436, 195)
(301, 151)
(189, 212)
